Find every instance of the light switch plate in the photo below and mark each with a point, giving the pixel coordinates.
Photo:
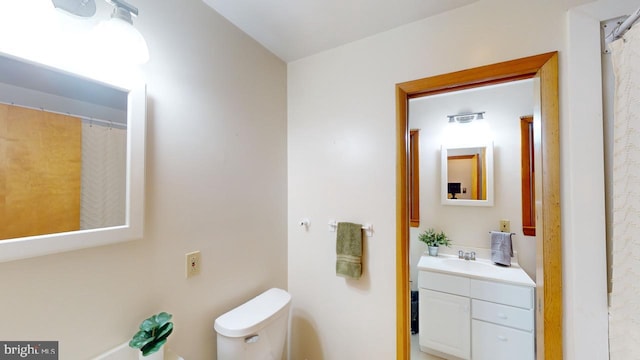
(505, 225)
(193, 260)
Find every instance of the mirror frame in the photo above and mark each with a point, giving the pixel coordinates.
(444, 175)
(132, 229)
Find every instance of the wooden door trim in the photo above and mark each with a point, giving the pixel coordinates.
(527, 171)
(543, 68)
(414, 178)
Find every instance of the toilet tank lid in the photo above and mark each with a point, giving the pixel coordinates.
(250, 317)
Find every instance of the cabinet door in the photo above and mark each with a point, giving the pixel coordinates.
(495, 342)
(445, 323)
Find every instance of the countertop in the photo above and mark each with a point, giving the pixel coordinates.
(482, 269)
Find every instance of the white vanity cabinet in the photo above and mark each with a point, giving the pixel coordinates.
(444, 300)
(464, 316)
(503, 321)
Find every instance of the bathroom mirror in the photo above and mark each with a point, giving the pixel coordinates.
(467, 175)
(71, 160)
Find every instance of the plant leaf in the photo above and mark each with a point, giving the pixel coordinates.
(148, 324)
(162, 318)
(165, 330)
(140, 339)
(141, 335)
(153, 347)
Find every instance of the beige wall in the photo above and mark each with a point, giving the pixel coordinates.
(216, 182)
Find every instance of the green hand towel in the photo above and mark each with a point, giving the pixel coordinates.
(349, 250)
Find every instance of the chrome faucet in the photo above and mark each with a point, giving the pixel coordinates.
(466, 255)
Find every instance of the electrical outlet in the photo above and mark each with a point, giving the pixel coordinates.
(193, 263)
(505, 226)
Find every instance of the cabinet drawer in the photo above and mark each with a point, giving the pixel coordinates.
(514, 295)
(503, 315)
(495, 342)
(442, 282)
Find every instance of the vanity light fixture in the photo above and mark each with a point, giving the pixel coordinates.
(115, 38)
(119, 39)
(81, 8)
(464, 128)
(465, 117)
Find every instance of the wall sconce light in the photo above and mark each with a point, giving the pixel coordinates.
(464, 128)
(81, 8)
(465, 117)
(119, 39)
(115, 38)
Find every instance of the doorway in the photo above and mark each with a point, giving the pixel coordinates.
(543, 69)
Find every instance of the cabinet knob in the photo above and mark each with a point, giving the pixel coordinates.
(502, 316)
(502, 338)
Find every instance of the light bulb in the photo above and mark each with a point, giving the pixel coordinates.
(456, 134)
(118, 41)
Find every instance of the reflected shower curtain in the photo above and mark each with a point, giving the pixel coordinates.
(104, 158)
(624, 322)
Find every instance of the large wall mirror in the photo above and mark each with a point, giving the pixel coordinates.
(467, 175)
(71, 160)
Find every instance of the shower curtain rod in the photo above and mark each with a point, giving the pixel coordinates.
(90, 120)
(619, 30)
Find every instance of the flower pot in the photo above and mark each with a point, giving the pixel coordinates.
(158, 355)
(433, 251)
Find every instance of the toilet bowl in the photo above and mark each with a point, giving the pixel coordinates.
(255, 330)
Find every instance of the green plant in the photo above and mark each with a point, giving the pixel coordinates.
(153, 333)
(432, 238)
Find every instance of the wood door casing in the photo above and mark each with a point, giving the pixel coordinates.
(544, 70)
(527, 171)
(414, 178)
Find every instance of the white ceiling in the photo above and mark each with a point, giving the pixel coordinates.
(293, 29)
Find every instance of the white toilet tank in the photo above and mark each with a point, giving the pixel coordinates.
(255, 330)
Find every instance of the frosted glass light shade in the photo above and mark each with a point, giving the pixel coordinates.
(119, 41)
(457, 134)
